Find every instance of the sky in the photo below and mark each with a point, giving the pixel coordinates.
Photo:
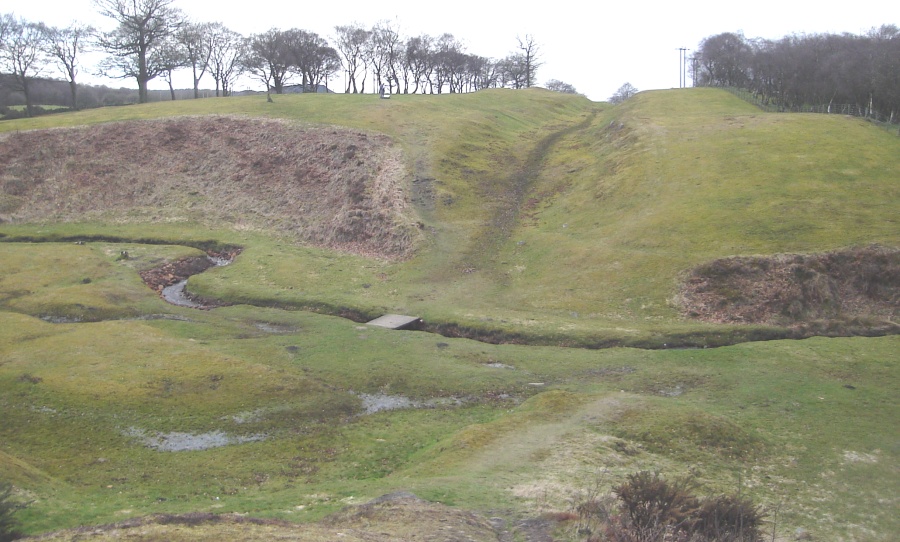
(596, 48)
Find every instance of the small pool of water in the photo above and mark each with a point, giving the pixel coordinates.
(378, 402)
(176, 441)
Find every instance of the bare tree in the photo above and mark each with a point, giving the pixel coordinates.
(480, 73)
(268, 59)
(383, 53)
(327, 62)
(623, 93)
(310, 55)
(195, 42)
(226, 48)
(21, 55)
(530, 52)
(170, 57)
(558, 86)
(134, 46)
(513, 71)
(65, 45)
(352, 42)
(723, 60)
(419, 61)
(886, 81)
(823, 72)
(448, 58)
(7, 20)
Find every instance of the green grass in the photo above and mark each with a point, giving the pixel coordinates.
(613, 213)
(608, 216)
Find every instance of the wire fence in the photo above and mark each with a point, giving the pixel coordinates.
(767, 104)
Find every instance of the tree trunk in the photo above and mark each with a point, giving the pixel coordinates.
(29, 107)
(73, 90)
(142, 90)
(142, 77)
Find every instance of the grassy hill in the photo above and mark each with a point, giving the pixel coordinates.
(522, 217)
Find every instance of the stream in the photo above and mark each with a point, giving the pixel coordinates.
(170, 280)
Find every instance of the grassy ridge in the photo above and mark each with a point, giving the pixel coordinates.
(675, 179)
(614, 204)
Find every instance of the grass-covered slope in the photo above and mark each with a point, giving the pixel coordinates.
(582, 231)
(544, 218)
(538, 214)
(673, 179)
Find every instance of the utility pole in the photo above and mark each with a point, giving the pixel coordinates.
(682, 73)
(679, 67)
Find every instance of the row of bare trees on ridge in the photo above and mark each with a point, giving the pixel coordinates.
(154, 39)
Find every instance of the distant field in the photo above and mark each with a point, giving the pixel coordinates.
(514, 217)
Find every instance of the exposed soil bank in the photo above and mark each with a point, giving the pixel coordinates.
(852, 288)
(328, 186)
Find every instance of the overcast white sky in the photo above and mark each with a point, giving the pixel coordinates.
(592, 46)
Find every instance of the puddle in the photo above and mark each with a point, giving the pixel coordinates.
(373, 403)
(377, 403)
(672, 392)
(182, 442)
(269, 327)
(61, 320)
(246, 417)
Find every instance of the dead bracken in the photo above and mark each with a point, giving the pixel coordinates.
(328, 186)
(851, 285)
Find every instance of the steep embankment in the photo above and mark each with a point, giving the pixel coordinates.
(329, 186)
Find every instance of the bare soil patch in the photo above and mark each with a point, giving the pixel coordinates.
(853, 286)
(328, 186)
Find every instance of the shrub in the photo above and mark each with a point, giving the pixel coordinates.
(728, 518)
(653, 506)
(9, 526)
(652, 509)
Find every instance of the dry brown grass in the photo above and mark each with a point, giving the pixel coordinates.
(329, 186)
(794, 288)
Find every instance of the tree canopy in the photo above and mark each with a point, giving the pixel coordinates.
(798, 70)
(140, 45)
